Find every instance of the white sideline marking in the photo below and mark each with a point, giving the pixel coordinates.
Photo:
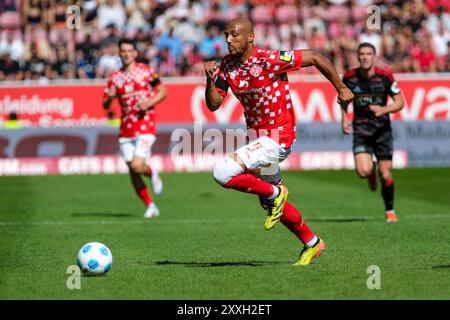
(203, 221)
(140, 221)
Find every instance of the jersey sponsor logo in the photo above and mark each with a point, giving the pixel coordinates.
(251, 91)
(132, 94)
(367, 100)
(243, 84)
(286, 56)
(255, 70)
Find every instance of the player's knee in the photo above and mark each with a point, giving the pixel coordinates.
(385, 176)
(225, 170)
(363, 172)
(137, 167)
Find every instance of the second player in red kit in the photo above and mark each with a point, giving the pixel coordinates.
(138, 89)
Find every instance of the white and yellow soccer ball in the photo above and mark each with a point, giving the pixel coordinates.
(94, 258)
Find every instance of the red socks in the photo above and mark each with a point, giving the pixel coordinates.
(247, 182)
(388, 183)
(144, 195)
(292, 220)
(387, 192)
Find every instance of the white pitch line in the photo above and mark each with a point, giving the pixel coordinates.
(207, 221)
(108, 222)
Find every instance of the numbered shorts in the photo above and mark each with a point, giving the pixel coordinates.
(140, 146)
(381, 144)
(263, 156)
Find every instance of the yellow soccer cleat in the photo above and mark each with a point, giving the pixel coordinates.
(308, 254)
(276, 208)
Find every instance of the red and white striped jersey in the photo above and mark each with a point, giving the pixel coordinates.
(132, 87)
(261, 85)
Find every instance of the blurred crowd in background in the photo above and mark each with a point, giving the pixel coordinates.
(176, 37)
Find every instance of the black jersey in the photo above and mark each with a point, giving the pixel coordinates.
(371, 91)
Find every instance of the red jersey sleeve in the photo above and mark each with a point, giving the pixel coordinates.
(284, 61)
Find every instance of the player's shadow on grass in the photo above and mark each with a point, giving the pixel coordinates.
(217, 264)
(206, 195)
(102, 215)
(350, 219)
(442, 266)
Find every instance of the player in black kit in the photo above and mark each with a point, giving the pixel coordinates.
(371, 124)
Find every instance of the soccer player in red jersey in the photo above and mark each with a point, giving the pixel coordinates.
(371, 129)
(258, 79)
(138, 89)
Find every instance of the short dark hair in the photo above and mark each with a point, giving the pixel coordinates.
(367, 45)
(127, 41)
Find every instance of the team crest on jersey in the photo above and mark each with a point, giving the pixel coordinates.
(286, 56)
(255, 70)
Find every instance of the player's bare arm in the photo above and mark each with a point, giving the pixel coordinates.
(110, 96)
(314, 58)
(212, 96)
(345, 122)
(397, 105)
(161, 94)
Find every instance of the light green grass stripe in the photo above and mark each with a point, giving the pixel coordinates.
(210, 221)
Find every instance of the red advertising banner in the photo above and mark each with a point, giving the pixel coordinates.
(314, 101)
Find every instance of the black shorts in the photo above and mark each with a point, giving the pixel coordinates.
(381, 144)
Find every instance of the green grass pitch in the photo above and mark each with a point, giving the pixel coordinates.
(210, 243)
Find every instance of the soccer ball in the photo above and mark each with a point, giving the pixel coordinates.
(94, 258)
